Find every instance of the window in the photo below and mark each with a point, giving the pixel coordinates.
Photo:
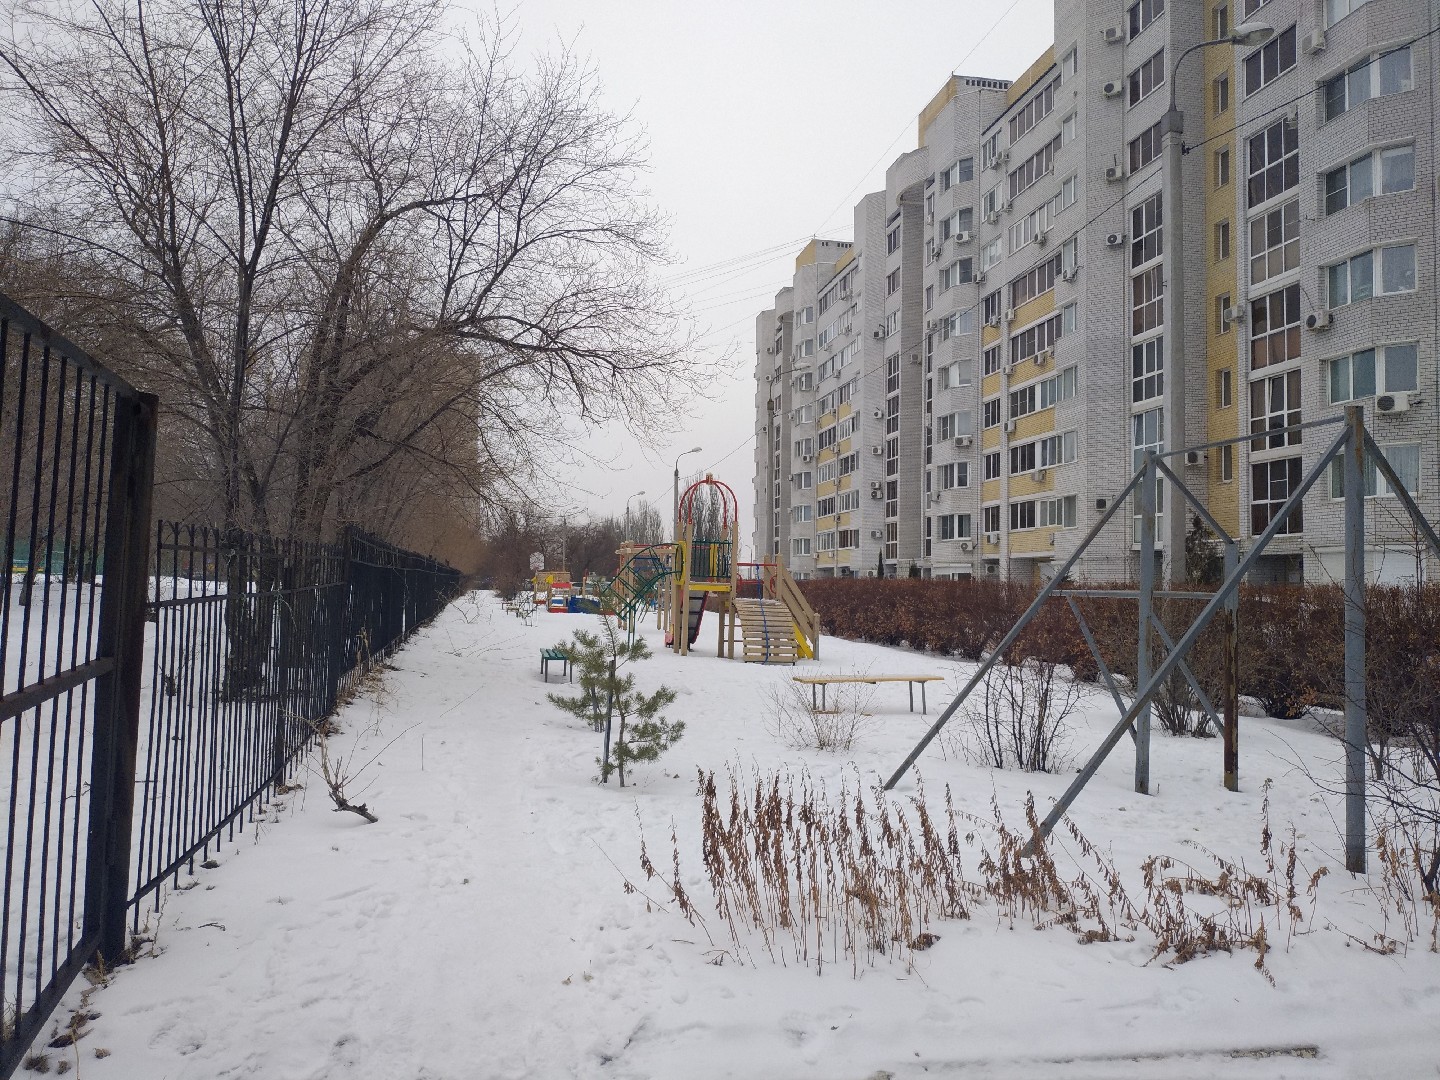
(1274, 161)
(1147, 300)
(991, 516)
(1034, 339)
(1033, 168)
(1224, 396)
(1222, 240)
(1220, 94)
(992, 465)
(826, 507)
(1145, 147)
(892, 241)
(1388, 73)
(849, 500)
(1069, 64)
(960, 171)
(1068, 130)
(1383, 370)
(1022, 401)
(1036, 282)
(1147, 77)
(1059, 387)
(990, 413)
(1146, 231)
(991, 254)
(1335, 10)
(1058, 513)
(806, 348)
(1275, 328)
(1058, 449)
(800, 545)
(805, 314)
(892, 282)
(1222, 167)
(954, 475)
(1143, 13)
(1271, 483)
(990, 307)
(1147, 370)
(801, 512)
(825, 542)
(1227, 463)
(848, 538)
(1221, 21)
(1022, 515)
(956, 373)
(954, 526)
(1356, 279)
(1404, 459)
(991, 203)
(1275, 404)
(1069, 319)
(1270, 61)
(803, 480)
(1070, 254)
(804, 448)
(1222, 318)
(990, 150)
(1147, 432)
(990, 361)
(958, 222)
(952, 424)
(957, 273)
(825, 439)
(1275, 242)
(1023, 457)
(1032, 112)
(1383, 172)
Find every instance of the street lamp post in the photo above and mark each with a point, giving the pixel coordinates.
(675, 497)
(627, 511)
(1173, 410)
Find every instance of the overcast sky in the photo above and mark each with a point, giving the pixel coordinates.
(767, 120)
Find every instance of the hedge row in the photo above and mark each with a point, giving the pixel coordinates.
(1290, 638)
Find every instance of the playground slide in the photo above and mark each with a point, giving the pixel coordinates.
(696, 613)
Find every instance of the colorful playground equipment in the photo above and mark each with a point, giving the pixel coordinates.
(757, 602)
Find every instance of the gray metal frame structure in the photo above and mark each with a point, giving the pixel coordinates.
(1354, 443)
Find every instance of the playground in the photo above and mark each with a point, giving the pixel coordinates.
(482, 926)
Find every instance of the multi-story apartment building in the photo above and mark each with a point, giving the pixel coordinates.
(1031, 319)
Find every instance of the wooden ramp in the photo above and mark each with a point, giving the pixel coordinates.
(768, 631)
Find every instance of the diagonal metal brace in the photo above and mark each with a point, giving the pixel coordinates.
(1200, 694)
(1099, 660)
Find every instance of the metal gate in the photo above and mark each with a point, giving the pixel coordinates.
(77, 449)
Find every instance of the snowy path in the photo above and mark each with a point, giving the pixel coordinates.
(479, 930)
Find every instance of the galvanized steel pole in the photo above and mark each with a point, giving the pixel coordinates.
(1355, 704)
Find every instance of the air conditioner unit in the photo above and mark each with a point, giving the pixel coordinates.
(992, 218)
(980, 277)
(1010, 314)
(1235, 314)
(930, 219)
(1068, 274)
(1114, 239)
(1005, 207)
(1113, 89)
(929, 324)
(876, 534)
(1314, 42)
(992, 538)
(994, 320)
(877, 450)
(876, 334)
(1114, 172)
(1039, 475)
(1318, 320)
(963, 236)
(1393, 403)
(1114, 35)
(1003, 156)
(1042, 357)
(1041, 238)
(1009, 426)
(964, 440)
(807, 457)
(966, 545)
(769, 350)
(877, 494)
(877, 485)
(1194, 458)
(877, 413)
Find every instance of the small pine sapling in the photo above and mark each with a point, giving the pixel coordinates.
(608, 694)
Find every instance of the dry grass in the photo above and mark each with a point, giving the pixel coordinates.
(818, 880)
(793, 717)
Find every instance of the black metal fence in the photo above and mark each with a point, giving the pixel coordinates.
(231, 647)
(254, 640)
(76, 452)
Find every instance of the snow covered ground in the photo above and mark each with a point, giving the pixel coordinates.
(481, 928)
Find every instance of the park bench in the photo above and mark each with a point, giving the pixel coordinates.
(548, 656)
(822, 681)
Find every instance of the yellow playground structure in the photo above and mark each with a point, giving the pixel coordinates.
(756, 602)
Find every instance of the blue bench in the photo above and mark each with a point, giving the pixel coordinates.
(547, 656)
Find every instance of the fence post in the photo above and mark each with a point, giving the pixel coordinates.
(1354, 588)
(123, 599)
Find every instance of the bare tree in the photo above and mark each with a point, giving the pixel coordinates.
(352, 263)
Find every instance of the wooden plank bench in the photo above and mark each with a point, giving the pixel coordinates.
(822, 681)
(547, 656)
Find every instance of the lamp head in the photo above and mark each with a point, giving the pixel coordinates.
(1250, 34)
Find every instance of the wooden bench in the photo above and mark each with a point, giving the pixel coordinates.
(549, 655)
(822, 681)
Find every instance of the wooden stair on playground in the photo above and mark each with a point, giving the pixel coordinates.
(768, 631)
